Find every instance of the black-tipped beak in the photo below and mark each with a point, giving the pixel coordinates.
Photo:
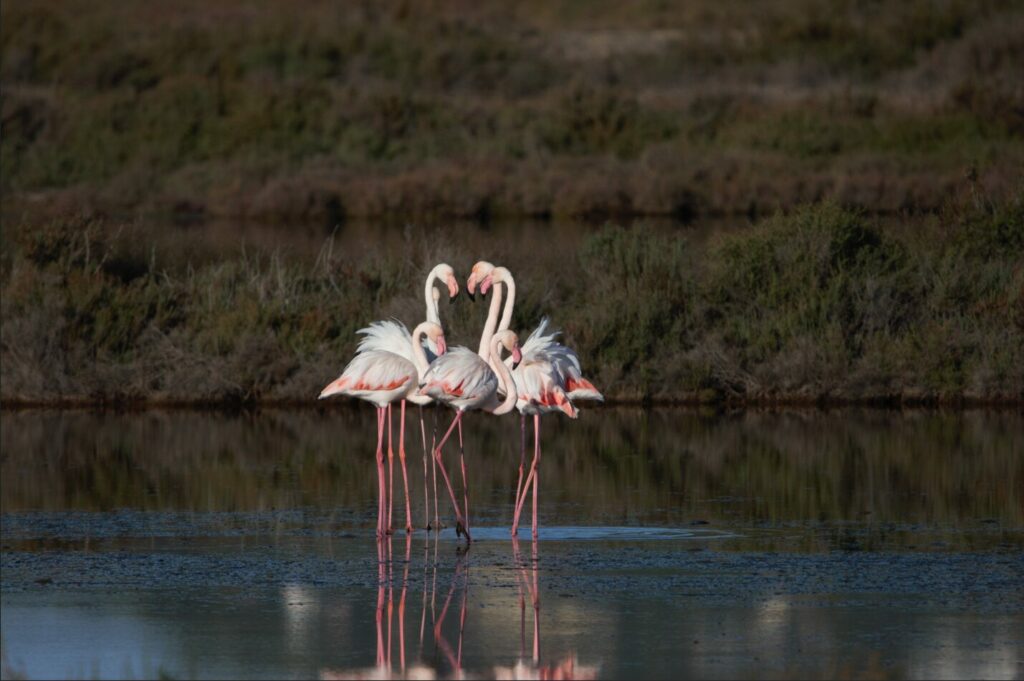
(451, 299)
(515, 365)
(472, 296)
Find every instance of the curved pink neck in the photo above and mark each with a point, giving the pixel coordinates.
(504, 376)
(506, 315)
(490, 326)
(418, 354)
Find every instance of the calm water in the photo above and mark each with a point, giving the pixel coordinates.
(673, 543)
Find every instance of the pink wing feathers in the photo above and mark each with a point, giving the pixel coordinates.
(459, 376)
(373, 371)
(537, 383)
(563, 360)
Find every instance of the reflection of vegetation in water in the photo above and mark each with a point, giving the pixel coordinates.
(817, 304)
(864, 469)
(533, 108)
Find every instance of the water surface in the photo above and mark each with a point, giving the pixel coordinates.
(673, 543)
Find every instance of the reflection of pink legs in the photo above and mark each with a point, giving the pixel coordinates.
(454, 659)
(380, 602)
(528, 584)
(535, 595)
(461, 526)
(391, 603)
(401, 603)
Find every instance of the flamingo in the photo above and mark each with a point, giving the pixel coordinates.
(464, 381)
(381, 378)
(547, 380)
(392, 336)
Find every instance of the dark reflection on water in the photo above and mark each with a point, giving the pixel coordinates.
(846, 479)
(674, 544)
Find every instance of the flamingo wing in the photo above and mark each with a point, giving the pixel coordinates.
(373, 371)
(391, 335)
(564, 360)
(538, 382)
(458, 374)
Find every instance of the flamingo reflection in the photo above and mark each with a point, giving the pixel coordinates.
(445, 653)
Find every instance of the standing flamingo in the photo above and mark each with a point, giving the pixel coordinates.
(464, 381)
(383, 377)
(392, 336)
(547, 380)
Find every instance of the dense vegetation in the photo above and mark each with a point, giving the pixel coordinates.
(816, 304)
(413, 109)
(810, 118)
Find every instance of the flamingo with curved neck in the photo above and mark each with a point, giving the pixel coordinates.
(382, 377)
(547, 381)
(464, 381)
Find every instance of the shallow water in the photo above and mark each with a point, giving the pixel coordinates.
(673, 543)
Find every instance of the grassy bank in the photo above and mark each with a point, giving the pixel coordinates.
(819, 304)
(415, 110)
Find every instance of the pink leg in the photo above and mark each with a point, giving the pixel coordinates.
(380, 472)
(533, 468)
(391, 474)
(519, 482)
(536, 474)
(460, 525)
(426, 497)
(465, 481)
(405, 475)
(522, 497)
(433, 446)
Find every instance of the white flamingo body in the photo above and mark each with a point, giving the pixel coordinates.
(393, 336)
(548, 379)
(382, 377)
(377, 376)
(461, 380)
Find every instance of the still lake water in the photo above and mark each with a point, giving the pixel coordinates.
(674, 543)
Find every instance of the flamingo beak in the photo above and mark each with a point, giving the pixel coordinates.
(486, 284)
(517, 357)
(442, 347)
(453, 289)
(471, 286)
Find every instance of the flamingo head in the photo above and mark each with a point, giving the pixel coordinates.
(498, 275)
(445, 273)
(510, 341)
(480, 272)
(436, 334)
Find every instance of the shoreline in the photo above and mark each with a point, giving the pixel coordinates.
(887, 403)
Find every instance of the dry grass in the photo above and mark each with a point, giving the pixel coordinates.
(816, 305)
(455, 110)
